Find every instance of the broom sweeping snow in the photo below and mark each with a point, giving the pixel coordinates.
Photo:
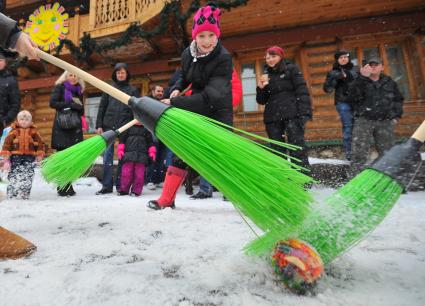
(264, 186)
(347, 216)
(55, 166)
(13, 246)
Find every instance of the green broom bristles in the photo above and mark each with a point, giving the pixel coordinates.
(344, 218)
(67, 166)
(263, 186)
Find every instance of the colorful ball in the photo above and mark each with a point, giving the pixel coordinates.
(297, 265)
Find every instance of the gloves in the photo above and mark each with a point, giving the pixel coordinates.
(152, 152)
(120, 152)
(337, 75)
(84, 123)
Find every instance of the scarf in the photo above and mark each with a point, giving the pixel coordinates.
(71, 91)
(196, 52)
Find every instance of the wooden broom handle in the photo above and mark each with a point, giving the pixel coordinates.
(420, 133)
(127, 125)
(103, 86)
(134, 121)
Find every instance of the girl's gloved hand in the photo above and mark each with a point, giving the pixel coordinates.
(152, 152)
(121, 149)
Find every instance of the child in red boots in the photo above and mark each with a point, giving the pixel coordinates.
(135, 149)
(208, 67)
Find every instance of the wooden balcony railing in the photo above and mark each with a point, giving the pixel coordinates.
(113, 16)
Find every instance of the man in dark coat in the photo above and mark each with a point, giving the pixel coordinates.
(377, 106)
(112, 115)
(343, 73)
(156, 172)
(10, 100)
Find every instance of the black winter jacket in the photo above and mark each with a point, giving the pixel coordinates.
(113, 113)
(376, 100)
(286, 96)
(62, 139)
(335, 80)
(10, 98)
(137, 140)
(210, 77)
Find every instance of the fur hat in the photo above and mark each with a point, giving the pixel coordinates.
(275, 50)
(207, 18)
(341, 53)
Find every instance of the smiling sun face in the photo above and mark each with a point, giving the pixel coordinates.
(47, 25)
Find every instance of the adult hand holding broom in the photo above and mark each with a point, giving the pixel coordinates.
(264, 186)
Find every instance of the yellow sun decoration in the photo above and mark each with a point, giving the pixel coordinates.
(47, 25)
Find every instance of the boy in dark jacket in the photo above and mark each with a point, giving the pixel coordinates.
(343, 73)
(377, 107)
(111, 116)
(21, 148)
(135, 148)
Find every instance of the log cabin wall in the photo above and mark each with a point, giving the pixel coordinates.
(309, 31)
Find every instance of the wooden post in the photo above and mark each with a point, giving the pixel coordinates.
(384, 57)
(359, 52)
(76, 30)
(92, 14)
(303, 60)
(132, 10)
(420, 47)
(409, 71)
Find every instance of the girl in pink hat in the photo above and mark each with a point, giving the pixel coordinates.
(208, 67)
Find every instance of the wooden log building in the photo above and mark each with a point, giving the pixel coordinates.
(310, 31)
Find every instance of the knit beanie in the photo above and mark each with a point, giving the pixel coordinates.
(341, 53)
(275, 50)
(207, 18)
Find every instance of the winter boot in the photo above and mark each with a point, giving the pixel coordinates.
(13, 246)
(173, 180)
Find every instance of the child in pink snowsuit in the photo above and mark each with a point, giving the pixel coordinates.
(135, 149)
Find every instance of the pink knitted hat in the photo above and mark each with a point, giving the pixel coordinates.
(207, 18)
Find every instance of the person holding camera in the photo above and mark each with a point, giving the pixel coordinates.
(343, 73)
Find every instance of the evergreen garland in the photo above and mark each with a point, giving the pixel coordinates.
(88, 45)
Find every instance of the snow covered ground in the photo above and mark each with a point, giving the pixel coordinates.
(110, 250)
